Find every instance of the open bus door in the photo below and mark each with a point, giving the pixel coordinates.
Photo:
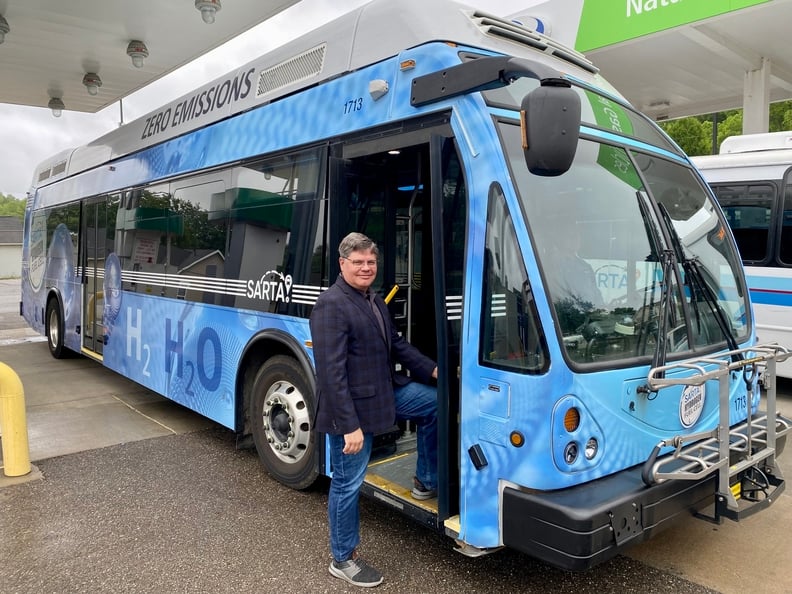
(394, 194)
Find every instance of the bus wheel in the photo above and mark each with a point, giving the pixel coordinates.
(55, 329)
(281, 409)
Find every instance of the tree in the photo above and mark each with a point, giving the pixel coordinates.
(690, 134)
(11, 206)
(781, 116)
(731, 126)
(694, 134)
(787, 121)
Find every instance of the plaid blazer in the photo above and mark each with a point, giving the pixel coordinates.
(355, 371)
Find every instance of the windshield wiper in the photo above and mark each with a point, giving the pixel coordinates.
(694, 278)
(666, 260)
(659, 359)
(692, 267)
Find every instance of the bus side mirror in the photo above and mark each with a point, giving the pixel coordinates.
(550, 124)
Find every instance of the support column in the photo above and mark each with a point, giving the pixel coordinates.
(756, 99)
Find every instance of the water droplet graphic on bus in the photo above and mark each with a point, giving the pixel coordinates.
(112, 293)
(60, 266)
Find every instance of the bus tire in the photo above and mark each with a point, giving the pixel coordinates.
(55, 330)
(281, 415)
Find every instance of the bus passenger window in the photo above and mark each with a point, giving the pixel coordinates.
(785, 249)
(511, 337)
(198, 230)
(275, 222)
(748, 210)
(141, 239)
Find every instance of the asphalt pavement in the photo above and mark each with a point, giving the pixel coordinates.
(130, 492)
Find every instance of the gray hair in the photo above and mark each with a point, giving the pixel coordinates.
(356, 242)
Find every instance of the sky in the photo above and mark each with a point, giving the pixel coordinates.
(29, 135)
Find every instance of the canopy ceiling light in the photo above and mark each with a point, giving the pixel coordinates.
(92, 82)
(138, 51)
(208, 9)
(57, 106)
(4, 28)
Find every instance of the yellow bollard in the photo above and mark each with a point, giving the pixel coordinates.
(13, 426)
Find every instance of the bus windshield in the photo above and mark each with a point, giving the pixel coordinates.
(609, 233)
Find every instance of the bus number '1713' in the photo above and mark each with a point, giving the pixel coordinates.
(353, 105)
(740, 405)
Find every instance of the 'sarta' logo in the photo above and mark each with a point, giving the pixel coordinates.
(690, 405)
(272, 286)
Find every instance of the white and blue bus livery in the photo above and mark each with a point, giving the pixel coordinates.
(752, 180)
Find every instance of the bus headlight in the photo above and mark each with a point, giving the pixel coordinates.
(592, 447)
(578, 440)
(570, 453)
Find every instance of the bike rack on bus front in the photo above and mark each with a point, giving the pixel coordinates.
(727, 451)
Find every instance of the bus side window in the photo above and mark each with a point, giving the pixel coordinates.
(785, 250)
(276, 221)
(751, 231)
(141, 238)
(198, 229)
(749, 210)
(511, 336)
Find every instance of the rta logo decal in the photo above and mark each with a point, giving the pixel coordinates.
(272, 286)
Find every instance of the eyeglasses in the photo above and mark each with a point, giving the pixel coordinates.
(361, 263)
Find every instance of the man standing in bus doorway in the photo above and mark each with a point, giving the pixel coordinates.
(360, 394)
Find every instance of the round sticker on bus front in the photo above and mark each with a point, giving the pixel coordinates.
(690, 405)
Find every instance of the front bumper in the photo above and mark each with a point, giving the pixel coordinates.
(579, 527)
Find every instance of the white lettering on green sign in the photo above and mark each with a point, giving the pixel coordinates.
(636, 7)
(604, 23)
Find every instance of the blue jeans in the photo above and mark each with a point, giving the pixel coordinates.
(416, 402)
(343, 516)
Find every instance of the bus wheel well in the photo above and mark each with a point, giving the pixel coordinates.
(54, 326)
(256, 355)
(280, 401)
(53, 296)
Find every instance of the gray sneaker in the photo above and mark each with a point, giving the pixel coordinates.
(420, 492)
(357, 572)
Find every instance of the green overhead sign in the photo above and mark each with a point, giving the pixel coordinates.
(605, 22)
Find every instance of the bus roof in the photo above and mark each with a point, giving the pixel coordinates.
(748, 143)
(369, 34)
(749, 157)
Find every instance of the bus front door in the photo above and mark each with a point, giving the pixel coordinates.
(379, 192)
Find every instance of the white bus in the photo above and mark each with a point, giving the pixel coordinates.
(752, 180)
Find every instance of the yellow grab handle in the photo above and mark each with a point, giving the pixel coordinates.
(391, 294)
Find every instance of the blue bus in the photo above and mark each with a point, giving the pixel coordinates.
(551, 248)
